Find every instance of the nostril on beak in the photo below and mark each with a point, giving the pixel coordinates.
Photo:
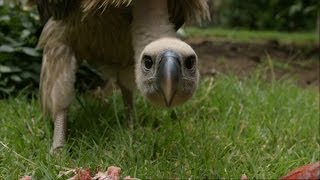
(169, 75)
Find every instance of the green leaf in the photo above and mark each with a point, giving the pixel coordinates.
(5, 69)
(30, 51)
(7, 90)
(295, 8)
(13, 42)
(5, 18)
(6, 48)
(29, 75)
(25, 33)
(4, 82)
(8, 69)
(15, 78)
(310, 9)
(35, 67)
(26, 75)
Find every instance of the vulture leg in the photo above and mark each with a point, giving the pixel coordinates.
(127, 97)
(57, 88)
(125, 81)
(60, 131)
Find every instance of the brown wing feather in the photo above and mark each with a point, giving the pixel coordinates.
(57, 9)
(182, 11)
(89, 6)
(176, 14)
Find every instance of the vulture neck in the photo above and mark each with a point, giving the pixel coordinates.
(150, 22)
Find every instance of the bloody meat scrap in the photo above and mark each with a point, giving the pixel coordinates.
(112, 173)
(310, 171)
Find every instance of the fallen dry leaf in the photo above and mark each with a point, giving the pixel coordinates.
(67, 173)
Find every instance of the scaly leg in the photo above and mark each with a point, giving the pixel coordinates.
(60, 131)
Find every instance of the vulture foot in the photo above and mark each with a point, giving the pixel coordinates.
(57, 152)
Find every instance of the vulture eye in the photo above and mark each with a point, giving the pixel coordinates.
(190, 62)
(147, 60)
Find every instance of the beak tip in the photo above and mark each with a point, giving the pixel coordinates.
(167, 105)
(168, 99)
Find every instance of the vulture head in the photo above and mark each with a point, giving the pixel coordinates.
(167, 72)
(166, 68)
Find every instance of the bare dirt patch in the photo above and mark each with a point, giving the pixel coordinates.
(242, 59)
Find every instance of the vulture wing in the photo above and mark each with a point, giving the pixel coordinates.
(57, 9)
(180, 10)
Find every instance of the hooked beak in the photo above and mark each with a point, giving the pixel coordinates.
(169, 75)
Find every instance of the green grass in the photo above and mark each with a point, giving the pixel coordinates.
(240, 35)
(229, 128)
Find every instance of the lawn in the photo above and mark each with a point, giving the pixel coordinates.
(242, 35)
(229, 128)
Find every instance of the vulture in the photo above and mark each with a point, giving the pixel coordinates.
(131, 42)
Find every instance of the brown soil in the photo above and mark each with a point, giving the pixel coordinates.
(242, 59)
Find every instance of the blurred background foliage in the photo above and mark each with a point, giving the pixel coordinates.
(280, 15)
(20, 61)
